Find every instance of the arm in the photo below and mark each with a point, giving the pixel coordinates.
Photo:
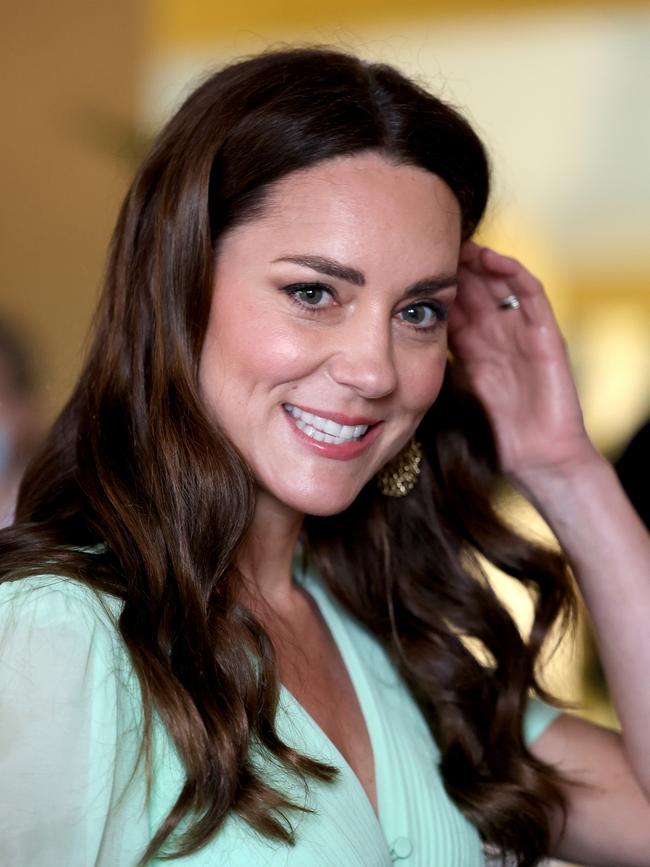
(609, 550)
(515, 360)
(608, 815)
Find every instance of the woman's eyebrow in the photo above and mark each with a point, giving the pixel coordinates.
(331, 268)
(328, 267)
(431, 284)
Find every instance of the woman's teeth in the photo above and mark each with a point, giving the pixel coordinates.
(324, 430)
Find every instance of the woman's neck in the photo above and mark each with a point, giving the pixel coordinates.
(266, 558)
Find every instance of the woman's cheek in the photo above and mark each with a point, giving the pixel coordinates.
(423, 380)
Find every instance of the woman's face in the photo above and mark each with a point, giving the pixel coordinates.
(326, 342)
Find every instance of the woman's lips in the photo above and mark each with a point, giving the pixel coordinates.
(338, 451)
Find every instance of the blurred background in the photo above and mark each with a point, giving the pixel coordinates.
(559, 92)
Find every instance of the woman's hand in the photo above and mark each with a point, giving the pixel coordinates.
(515, 360)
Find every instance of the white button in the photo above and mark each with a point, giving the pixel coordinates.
(401, 848)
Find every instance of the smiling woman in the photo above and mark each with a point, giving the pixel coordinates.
(237, 596)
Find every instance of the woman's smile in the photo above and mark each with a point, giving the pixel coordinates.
(341, 440)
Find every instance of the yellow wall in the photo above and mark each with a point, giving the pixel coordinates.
(174, 21)
(67, 89)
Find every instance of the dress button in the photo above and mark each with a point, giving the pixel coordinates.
(402, 848)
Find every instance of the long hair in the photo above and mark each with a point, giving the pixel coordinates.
(138, 494)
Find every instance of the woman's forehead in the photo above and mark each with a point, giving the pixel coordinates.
(354, 200)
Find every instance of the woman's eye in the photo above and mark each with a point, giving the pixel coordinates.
(312, 295)
(309, 295)
(421, 315)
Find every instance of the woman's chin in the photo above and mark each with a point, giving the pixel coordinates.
(321, 501)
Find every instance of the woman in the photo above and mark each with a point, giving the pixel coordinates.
(244, 567)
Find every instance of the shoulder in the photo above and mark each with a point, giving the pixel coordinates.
(50, 600)
(50, 623)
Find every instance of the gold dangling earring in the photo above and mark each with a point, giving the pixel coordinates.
(401, 473)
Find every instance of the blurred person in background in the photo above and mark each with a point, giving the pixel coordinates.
(20, 421)
(246, 563)
(633, 468)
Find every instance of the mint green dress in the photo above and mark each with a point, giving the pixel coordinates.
(70, 726)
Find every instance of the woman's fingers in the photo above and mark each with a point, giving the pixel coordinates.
(495, 277)
(486, 259)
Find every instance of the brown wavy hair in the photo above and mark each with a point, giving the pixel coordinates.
(137, 494)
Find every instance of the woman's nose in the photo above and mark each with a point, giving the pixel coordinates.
(363, 359)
